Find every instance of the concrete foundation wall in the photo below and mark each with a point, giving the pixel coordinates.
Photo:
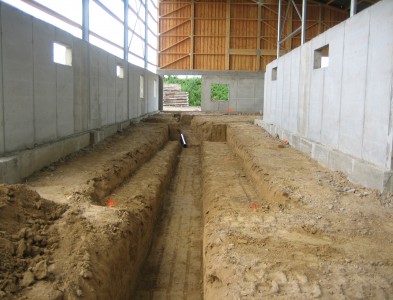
(345, 107)
(42, 102)
(245, 92)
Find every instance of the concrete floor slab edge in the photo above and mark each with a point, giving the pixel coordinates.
(14, 168)
(357, 170)
(24, 163)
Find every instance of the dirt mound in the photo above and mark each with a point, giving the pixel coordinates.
(26, 240)
(305, 232)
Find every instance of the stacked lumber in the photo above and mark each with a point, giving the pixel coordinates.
(173, 96)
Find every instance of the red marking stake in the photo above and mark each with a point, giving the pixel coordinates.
(253, 206)
(110, 202)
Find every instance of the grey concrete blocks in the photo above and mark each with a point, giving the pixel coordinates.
(345, 107)
(339, 161)
(44, 83)
(305, 146)
(357, 170)
(17, 63)
(294, 141)
(75, 143)
(367, 175)
(378, 92)
(321, 154)
(121, 97)
(97, 136)
(389, 181)
(81, 85)
(245, 92)
(65, 100)
(24, 163)
(8, 169)
(49, 108)
(123, 125)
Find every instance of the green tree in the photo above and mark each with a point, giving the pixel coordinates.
(219, 91)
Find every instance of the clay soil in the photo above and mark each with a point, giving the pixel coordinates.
(238, 214)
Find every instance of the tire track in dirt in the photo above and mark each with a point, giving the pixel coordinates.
(173, 269)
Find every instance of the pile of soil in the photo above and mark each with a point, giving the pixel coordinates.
(27, 240)
(88, 241)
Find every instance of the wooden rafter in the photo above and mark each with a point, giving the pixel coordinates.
(176, 26)
(174, 11)
(230, 34)
(175, 61)
(175, 44)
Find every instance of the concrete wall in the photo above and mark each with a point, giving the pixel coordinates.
(343, 111)
(245, 92)
(44, 103)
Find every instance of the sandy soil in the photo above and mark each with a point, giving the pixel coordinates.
(173, 270)
(275, 224)
(278, 225)
(89, 239)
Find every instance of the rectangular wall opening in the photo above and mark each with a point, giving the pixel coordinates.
(155, 87)
(141, 86)
(62, 54)
(274, 74)
(119, 71)
(219, 92)
(321, 57)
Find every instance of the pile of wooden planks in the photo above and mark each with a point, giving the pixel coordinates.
(173, 96)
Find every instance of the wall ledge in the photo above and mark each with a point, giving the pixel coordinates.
(357, 170)
(19, 165)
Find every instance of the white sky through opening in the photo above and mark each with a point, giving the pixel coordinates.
(104, 25)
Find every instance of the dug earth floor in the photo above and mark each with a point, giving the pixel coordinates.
(237, 214)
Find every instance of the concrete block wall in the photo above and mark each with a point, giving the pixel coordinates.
(345, 107)
(42, 102)
(245, 92)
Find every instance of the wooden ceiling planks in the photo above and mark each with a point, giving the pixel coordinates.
(233, 35)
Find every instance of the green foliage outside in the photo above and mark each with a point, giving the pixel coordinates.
(219, 91)
(191, 85)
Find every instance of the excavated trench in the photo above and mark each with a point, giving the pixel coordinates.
(236, 214)
(134, 207)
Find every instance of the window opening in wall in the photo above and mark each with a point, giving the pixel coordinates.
(219, 92)
(141, 86)
(321, 57)
(274, 74)
(155, 87)
(119, 71)
(62, 54)
(182, 92)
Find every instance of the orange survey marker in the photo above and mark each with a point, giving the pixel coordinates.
(110, 202)
(253, 206)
